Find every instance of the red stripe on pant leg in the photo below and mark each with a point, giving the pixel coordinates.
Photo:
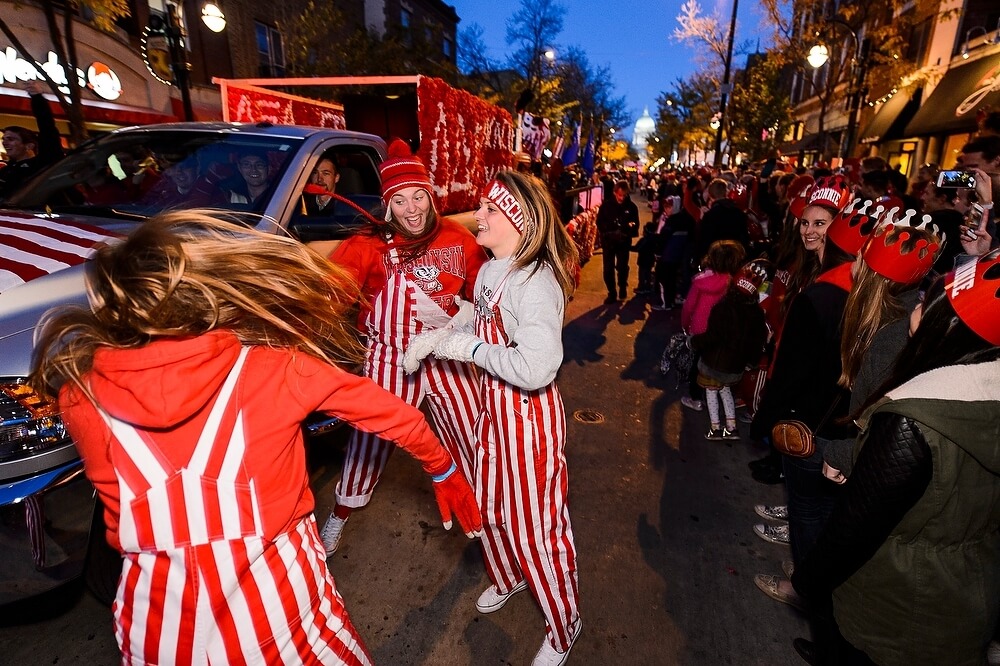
(540, 520)
(495, 543)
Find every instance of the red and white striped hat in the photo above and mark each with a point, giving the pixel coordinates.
(402, 169)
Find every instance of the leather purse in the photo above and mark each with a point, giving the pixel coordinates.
(793, 438)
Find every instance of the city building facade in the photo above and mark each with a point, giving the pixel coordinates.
(951, 59)
(125, 73)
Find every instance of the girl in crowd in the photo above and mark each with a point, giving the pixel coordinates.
(184, 386)
(413, 272)
(887, 274)
(908, 562)
(723, 259)
(803, 382)
(734, 339)
(521, 477)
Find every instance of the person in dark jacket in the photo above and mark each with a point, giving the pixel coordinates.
(723, 221)
(618, 224)
(734, 339)
(909, 562)
(29, 152)
(674, 244)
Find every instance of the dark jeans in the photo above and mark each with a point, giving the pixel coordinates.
(811, 497)
(616, 255)
(666, 276)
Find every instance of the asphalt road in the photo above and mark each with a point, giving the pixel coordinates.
(662, 519)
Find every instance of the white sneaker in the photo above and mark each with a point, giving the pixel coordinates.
(775, 512)
(774, 533)
(331, 533)
(691, 403)
(491, 600)
(549, 656)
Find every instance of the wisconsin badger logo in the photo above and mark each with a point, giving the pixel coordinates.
(427, 277)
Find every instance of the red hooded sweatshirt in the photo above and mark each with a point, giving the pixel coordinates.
(166, 390)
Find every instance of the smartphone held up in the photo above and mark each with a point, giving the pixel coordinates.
(956, 178)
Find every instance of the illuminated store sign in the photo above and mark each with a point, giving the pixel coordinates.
(99, 77)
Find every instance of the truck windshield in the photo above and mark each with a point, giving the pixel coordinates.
(143, 173)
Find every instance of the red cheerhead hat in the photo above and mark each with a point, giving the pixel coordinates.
(851, 227)
(400, 170)
(974, 292)
(831, 191)
(753, 275)
(889, 254)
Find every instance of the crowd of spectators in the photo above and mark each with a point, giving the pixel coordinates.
(875, 321)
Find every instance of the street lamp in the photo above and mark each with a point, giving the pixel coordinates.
(212, 16)
(992, 40)
(820, 54)
(165, 48)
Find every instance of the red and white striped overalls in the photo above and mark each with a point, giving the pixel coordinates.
(521, 485)
(200, 582)
(450, 388)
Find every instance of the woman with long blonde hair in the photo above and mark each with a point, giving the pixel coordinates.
(516, 338)
(184, 386)
(887, 276)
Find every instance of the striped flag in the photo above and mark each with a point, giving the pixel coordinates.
(31, 247)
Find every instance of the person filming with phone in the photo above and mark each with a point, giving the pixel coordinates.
(981, 159)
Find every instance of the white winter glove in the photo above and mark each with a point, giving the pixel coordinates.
(457, 346)
(420, 346)
(464, 317)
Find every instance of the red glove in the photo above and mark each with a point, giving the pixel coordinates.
(454, 496)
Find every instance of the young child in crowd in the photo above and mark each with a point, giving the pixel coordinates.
(184, 386)
(723, 259)
(521, 477)
(646, 249)
(733, 339)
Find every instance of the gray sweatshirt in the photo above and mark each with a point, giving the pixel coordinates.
(532, 309)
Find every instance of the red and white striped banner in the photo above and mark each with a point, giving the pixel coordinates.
(31, 247)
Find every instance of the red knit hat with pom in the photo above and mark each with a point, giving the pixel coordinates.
(402, 169)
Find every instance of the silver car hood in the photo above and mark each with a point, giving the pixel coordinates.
(22, 307)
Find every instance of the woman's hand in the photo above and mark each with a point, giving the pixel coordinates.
(834, 474)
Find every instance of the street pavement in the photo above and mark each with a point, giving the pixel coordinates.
(662, 520)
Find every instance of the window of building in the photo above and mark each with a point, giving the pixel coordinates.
(448, 47)
(270, 51)
(406, 25)
(920, 36)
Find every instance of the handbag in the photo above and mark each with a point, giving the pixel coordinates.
(677, 356)
(794, 438)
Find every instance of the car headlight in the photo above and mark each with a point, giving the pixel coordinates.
(29, 422)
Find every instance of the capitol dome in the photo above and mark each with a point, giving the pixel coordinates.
(644, 128)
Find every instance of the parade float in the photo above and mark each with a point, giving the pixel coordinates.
(462, 139)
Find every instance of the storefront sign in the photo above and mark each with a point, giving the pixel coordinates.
(989, 83)
(99, 77)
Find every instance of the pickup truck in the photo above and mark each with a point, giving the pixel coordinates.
(50, 532)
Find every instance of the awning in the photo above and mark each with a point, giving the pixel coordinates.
(93, 111)
(963, 91)
(892, 117)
